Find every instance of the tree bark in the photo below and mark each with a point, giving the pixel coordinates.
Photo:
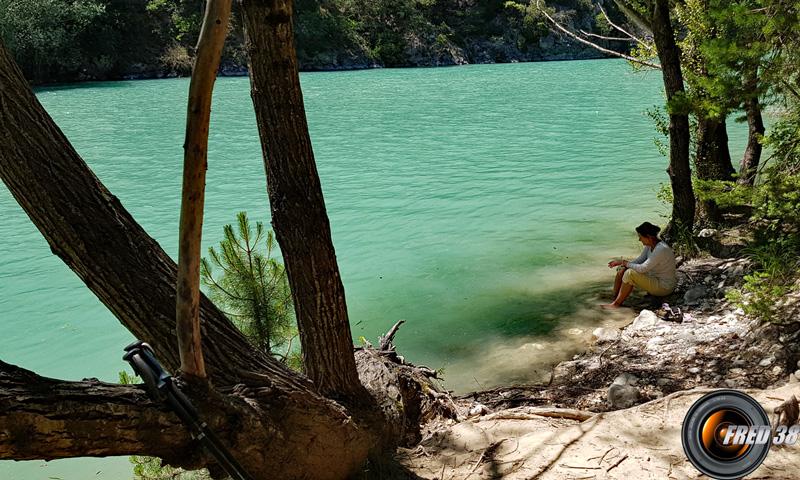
(669, 55)
(195, 164)
(298, 210)
(42, 418)
(748, 168)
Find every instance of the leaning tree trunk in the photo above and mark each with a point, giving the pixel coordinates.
(273, 419)
(755, 130)
(712, 161)
(680, 174)
(299, 217)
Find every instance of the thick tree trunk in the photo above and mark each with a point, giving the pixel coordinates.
(713, 159)
(755, 130)
(712, 162)
(299, 217)
(669, 55)
(42, 418)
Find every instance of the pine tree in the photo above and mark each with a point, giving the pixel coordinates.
(253, 289)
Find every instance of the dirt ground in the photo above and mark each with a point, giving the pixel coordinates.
(642, 442)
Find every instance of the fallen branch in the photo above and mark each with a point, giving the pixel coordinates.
(532, 413)
(616, 464)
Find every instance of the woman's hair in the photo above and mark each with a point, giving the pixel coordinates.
(647, 229)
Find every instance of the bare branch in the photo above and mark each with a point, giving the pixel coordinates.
(594, 45)
(634, 15)
(204, 73)
(601, 37)
(630, 35)
(43, 418)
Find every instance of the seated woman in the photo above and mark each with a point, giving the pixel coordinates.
(653, 271)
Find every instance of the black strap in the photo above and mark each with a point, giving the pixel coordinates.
(162, 388)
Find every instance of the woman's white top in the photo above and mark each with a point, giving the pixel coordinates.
(659, 263)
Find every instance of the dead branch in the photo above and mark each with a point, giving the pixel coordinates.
(616, 464)
(622, 30)
(533, 413)
(602, 37)
(204, 73)
(385, 341)
(597, 47)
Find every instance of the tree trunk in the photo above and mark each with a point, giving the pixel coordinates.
(755, 130)
(712, 162)
(298, 210)
(273, 420)
(713, 159)
(669, 55)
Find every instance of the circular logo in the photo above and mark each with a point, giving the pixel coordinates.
(726, 434)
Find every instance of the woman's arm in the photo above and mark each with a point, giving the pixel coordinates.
(659, 256)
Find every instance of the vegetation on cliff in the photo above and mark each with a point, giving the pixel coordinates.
(65, 40)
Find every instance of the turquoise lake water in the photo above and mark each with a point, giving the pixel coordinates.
(478, 203)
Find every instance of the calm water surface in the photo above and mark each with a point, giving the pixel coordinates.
(478, 203)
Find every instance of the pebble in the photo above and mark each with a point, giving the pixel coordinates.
(694, 370)
(766, 362)
(777, 370)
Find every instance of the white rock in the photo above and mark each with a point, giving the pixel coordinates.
(653, 343)
(776, 370)
(766, 362)
(694, 370)
(625, 379)
(691, 351)
(792, 378)
(646, 319)
(603, 334)
(478, 409)
(707, 233)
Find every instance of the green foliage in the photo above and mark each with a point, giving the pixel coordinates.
(46, 34)
(725, 194)
(253, 288)
(150, 468)
(777, 261)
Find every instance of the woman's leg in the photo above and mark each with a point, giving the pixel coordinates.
(618, 281)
